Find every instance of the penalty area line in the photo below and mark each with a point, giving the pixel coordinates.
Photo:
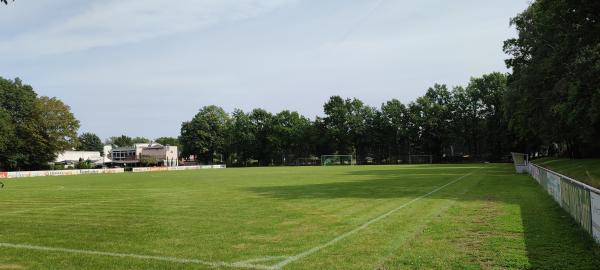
(309, 252)
(138, 256)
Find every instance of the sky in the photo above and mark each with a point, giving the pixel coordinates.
(142, 67)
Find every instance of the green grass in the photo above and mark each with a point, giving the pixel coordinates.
(584, 170)
(374, 217)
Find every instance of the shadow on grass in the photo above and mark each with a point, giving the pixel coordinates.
(553, 239)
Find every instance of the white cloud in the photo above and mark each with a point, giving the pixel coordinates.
(127, 21)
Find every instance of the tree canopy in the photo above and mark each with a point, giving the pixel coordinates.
(33, 130)
(465, 122)
(140, 140)
(204, 135)
(168, 141)
(120, 141)
(553, 99)
(90, 142)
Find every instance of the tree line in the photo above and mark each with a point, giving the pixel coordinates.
(548, 104)
(462, 123)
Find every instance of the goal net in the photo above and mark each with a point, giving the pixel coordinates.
(328, 160)
(521, 162)
(420, 159)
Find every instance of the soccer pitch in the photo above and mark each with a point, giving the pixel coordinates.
(353, 217)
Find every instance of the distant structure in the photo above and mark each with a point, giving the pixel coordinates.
(165, 155)
(106, 150)
(143, 154)
(139, 154)
(69, 158)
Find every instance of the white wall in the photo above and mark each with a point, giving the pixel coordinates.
(77, 155)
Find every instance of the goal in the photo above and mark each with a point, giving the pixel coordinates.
(420, 159)
(329, 160)
(521, 162)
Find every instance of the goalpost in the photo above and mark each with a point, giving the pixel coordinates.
(420, 159)
(328, 160)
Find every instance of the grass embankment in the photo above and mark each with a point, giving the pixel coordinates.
(360, 217)
(584, 170)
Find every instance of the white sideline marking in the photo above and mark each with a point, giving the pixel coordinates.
(264, 259)
(137, 256)
(365, 225)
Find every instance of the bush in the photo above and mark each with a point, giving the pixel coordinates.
(83, 164)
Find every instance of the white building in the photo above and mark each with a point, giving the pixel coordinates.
(162, 155)
(107, 150)
(71, 157)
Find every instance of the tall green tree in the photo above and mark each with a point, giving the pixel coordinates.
(172, 141)
(486, 96)
(465, 123)
(120, 141)
(432, 121)
(240, 138)
(337, 124)
(320, 139)
(264, 148)
(395, 128)
(58, 124)
(140, 140)
(204, 135)
(36, 128)
(363, 129)
(289, 135)
(89, 142)
(7, 134)
(554, 89)
(17, 101)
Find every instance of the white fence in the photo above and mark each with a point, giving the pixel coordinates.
(57, 173)
(101, 171)
(581, 201)
(179, 168)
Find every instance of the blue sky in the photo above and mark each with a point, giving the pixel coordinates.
(141, 67)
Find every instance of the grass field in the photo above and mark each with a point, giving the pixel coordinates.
(374, 217)
(584, 170)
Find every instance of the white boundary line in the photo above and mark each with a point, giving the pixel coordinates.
(309, 252)
(137, 256)
(264, 259)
